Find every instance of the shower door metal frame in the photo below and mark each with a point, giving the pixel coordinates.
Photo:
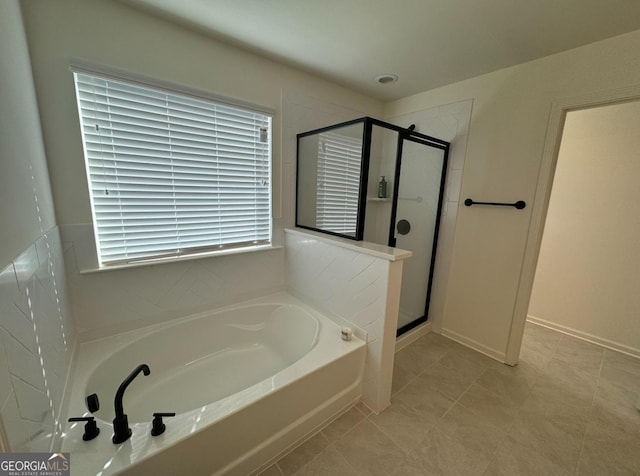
(403, 134)
(364, 173)
(427, 142)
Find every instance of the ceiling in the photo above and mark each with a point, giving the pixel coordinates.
(427, 43)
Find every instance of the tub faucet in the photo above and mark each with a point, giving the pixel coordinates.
(121, 430)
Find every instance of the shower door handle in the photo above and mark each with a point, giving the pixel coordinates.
(403, 227)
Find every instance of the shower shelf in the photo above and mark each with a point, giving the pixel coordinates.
(376, 199)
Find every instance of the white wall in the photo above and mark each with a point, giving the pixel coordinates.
(587, 277)
(504, 152)
(36, 332)
(27, 208)
(113, 34)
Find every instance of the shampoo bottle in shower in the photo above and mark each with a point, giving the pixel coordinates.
(382, 188)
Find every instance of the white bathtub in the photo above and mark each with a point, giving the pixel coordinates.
(246, 382)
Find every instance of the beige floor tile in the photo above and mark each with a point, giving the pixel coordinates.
(513, 383)
(494, 407)
(620, 378)
(472, 355)
(433, 346)
(540, 334)
(567, 411)
(343, 423)
(617, 360)
(555, 439)
(614, 421)
(569, 379)
(440, 455)
(303, 454)
(365, 410)
(272, 470)
(427, 352)
(328, 463)
(610, 455)
(462, 358)
(453, 374)
(580, 354)
(410, 468)
(437, 339)
(595, 464)
(538, 345)
(537, 358)
(618, 395)
(621, 370)
(404, 370)
(404, 426)
(369, 450)
(423, 397)
(513, 459)
(473, 430)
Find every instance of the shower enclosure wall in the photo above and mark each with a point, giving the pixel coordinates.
(339, 169)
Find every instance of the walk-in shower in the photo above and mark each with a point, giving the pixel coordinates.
(370, 180)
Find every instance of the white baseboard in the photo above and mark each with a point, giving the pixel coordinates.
(413, 335)
(472, 344)
(601, 341)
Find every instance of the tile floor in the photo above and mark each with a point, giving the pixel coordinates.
(567, 408)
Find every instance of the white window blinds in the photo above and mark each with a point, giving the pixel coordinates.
(171, 174)
(339, 162)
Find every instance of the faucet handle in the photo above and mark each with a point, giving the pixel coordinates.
(157, 427)
(91, 429)
(93, 404)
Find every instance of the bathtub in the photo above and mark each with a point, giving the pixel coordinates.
(247, 383)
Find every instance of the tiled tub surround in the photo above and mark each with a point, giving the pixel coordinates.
(356, 282)
(36, 344)
(271, 412)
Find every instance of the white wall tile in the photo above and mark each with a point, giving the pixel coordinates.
(353, 286)
(19, 326)
(26, 265)
(22, 363)
(15, 427)
(33, 403)
(23, 299)
(24, 435)
(37, 335)
(5, 379)
(8, 286)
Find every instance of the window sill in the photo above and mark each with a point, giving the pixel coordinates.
(176, 259)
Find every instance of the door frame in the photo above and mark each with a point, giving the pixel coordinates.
(555, 128)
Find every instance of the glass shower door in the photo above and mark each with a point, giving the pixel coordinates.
(420, 185)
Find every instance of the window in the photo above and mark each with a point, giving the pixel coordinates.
(170, 173)
(339, 162)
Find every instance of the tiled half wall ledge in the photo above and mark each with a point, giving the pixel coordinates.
(358, 282)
